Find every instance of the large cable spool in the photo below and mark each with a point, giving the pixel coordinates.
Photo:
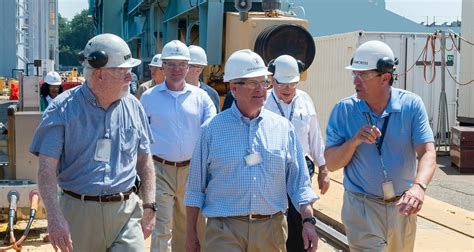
(290, 39)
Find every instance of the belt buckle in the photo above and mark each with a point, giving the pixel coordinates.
(251, 217)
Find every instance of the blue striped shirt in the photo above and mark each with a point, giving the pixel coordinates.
(222, 184)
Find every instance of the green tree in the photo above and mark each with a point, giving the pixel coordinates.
(73, 36)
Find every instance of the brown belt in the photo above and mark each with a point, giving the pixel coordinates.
(176, 164)
(101, 198)
(378, 199)
(255, 216)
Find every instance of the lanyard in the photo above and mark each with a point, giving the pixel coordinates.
(281, 109)
(379, 141)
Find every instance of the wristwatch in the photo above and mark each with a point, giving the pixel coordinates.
(153, 206)
(422, 185)
(311, 220)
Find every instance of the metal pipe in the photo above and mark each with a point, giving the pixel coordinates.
(13, 196)
(34, 199)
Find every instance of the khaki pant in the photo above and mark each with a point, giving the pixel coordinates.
(170, 229)
(373, 226)
(104, 226)
(234, 234)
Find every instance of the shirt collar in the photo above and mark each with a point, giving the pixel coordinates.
(393, 105)
(87, 92)
(238, 115)
(164, 87)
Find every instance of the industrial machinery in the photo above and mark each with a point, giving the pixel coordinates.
(268, 27)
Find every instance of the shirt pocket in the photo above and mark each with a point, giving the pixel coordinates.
(128, 144)
(274, 162)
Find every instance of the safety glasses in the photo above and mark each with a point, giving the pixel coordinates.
(286, 85)
(253, 84)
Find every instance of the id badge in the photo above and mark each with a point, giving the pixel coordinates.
(102, 150)
(388, 190)
(253, 159)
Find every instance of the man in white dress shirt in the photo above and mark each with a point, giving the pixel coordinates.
(296, 106)
(176, 110)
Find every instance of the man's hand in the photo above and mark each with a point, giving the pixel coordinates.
(148, 222)
(192, 241)
(411, 201)
(323, 179)
(367, 134)
(59, 234)
(310, 237)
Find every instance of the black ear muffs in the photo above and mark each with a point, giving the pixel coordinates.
(300, 65)
(271, 66)
(386, 65)
(96, 59)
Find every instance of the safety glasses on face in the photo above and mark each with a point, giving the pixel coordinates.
(180, 65)
(119, 73)
(364, 76)
(253, 84)
(286, 85)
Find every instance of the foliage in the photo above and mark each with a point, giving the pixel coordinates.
(73, 36)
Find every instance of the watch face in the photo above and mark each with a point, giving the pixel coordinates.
(311, 220)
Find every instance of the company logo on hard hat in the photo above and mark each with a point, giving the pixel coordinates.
(360, 62)
(256, 60)
(128, 56)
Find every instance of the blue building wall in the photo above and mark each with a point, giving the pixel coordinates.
(8, 59)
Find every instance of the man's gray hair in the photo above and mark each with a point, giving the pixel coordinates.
(88, 72)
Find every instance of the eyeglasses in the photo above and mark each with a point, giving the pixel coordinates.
(286, 85)
(120, 73)
(195, 66)
(253, 84)
(364, 76)
(180, 65)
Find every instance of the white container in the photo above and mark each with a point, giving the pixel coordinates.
(466, 74)
(328, 81)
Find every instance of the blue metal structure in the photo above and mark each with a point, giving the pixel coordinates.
(148, 24)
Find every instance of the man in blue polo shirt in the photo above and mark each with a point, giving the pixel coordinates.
(92, 141)
(377, 135)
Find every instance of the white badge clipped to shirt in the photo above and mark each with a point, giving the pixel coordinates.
(102, 150)
(388, 190)
(253, 159)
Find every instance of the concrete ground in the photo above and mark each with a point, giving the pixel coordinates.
(450, 186)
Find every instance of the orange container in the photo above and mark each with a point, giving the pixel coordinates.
(14, 89)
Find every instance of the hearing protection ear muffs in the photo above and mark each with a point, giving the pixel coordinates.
(271, 66)
(300, 65)
(96, 59)
(384, 65)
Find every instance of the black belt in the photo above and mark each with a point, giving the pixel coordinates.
(101, 198)
(176, 164)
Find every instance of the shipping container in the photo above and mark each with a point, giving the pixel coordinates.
(328, 81)
(466, 74)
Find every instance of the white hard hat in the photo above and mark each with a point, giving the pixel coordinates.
(286, 69)
(53, 78)
(368, 55)
(176, 50)
(156, 61)
(107, 50)
(244, 64)
(198, 56)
